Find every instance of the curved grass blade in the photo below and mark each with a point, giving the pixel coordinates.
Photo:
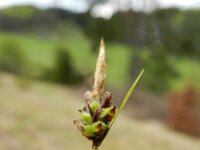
(128, 94)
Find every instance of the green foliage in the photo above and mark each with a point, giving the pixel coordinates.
(188, 74)
(189, 35)
(159, 69)
(21, 12)
(11, 58)
(64, 71)
(118, 74)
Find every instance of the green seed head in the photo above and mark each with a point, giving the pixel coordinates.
(86, 118)
(95, 130)
(95, 118)
(107, 114)
(89, 131)
(86, 130)
(94, 105)
(99, 128)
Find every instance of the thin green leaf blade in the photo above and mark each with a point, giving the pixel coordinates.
(127, 97)
(122, 104)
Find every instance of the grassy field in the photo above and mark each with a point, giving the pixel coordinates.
(189, 74)
(39, 53)
(38, 116)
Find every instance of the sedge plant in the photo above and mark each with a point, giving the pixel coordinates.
(97, 113)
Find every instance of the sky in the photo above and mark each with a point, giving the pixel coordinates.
(103, 10)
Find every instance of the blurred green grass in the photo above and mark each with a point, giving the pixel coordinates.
(39, 52)
(40, 117)
(189, 74)
(18, 11)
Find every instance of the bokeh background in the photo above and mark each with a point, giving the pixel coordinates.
(48, 51)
